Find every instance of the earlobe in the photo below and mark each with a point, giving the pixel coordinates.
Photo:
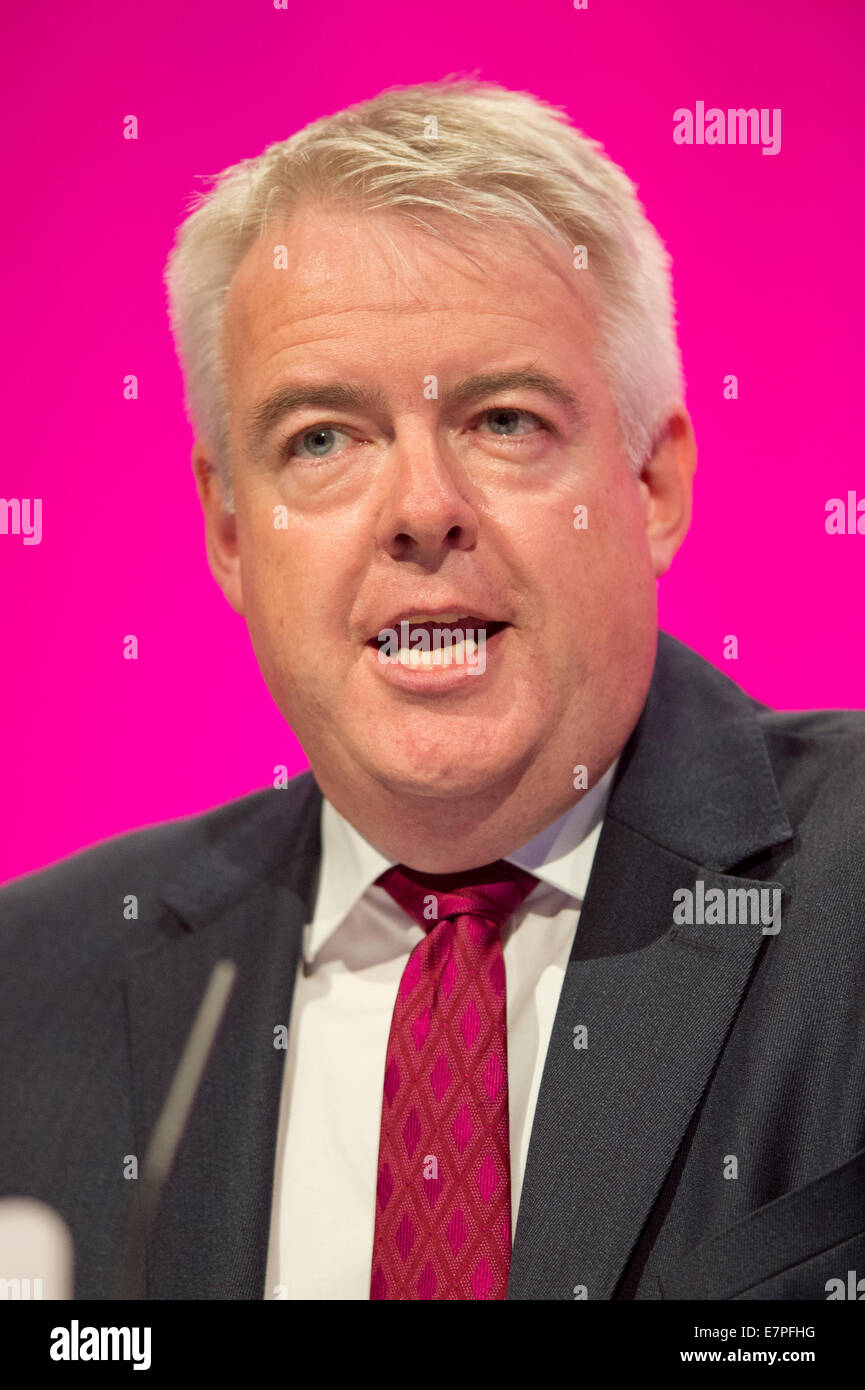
(668, 481)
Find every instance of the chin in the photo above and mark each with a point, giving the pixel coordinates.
(441, 776)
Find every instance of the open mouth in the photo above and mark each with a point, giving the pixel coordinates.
(453, 639)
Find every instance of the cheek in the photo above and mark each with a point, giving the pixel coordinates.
(618, 521)
(597, 569)
(294, 580)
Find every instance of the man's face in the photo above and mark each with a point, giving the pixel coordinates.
(413, 484)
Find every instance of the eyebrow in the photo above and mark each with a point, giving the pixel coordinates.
(493, 383)
(334, 395)
(338, 395)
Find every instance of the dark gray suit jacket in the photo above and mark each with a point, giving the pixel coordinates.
(712, 1050)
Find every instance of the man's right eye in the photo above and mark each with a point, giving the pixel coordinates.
(316, 443)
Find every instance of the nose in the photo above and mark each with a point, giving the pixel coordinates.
(427, 508)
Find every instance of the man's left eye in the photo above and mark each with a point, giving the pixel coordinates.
(505, 421)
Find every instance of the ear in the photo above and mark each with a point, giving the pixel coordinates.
(220, 527)
(666, 484)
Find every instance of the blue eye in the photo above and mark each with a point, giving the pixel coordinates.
(504, 420)
(319, 441)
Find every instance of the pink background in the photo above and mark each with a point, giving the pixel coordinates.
(767, 256)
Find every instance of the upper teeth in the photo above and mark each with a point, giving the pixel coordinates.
(457, 652)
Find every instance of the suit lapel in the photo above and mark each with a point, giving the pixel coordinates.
(246, 898)
(694, 796)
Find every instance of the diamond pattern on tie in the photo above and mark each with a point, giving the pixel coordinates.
(443, 1191)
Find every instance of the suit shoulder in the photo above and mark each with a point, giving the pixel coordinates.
(818, 758)
(830, 739)
(816, 724)
(139, 862)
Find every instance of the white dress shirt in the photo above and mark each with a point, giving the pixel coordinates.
(354, 951)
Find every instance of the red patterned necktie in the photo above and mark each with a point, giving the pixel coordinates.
(443, 1195)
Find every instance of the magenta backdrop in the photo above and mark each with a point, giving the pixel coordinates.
(767, 254)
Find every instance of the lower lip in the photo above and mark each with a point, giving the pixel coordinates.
(431, 680)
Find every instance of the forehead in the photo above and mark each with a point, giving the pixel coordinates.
(344, 284)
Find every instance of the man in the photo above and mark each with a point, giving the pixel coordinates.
(548, 971)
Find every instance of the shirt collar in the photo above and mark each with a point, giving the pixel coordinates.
(560, 856)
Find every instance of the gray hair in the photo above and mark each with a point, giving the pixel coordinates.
(459, 146)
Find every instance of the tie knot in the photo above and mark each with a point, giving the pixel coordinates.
(493, 892)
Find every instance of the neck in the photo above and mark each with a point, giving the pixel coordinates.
(447, 834)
